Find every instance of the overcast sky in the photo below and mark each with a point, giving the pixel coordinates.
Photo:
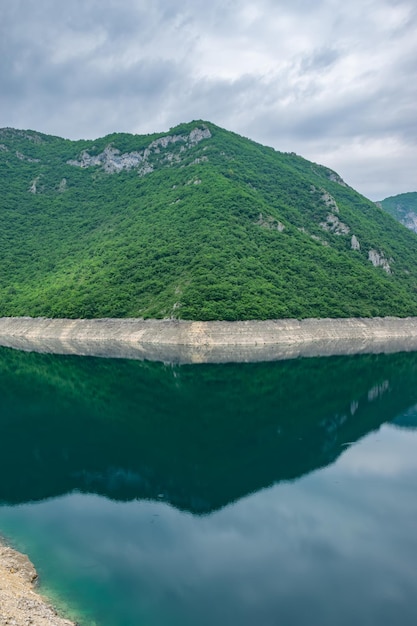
(334, 81)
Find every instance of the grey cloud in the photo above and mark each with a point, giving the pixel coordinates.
(302, 76)
(320, 59)
(269, 558)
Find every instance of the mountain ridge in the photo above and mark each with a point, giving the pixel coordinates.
(403, 208)
(197, 223)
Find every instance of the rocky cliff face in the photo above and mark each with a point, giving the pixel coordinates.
(410, 221)
(111, 160)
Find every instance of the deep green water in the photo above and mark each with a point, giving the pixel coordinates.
(156, 495)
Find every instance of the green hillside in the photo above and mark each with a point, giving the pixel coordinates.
(196, 223)
(403, 208)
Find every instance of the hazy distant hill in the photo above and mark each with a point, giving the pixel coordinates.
(403, 208)
(197, 223)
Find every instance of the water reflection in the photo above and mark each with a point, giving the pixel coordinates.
(259, 494)
(202, 436)
(338, 546)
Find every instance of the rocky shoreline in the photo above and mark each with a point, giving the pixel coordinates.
(20, 604)
(179, 341)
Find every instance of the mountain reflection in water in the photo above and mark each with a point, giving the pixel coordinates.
(201, 436)
(176, 496)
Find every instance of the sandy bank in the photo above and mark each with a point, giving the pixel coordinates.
(19, 603)
(180, 341)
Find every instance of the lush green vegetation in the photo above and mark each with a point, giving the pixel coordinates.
(403, 208)
(222, 228)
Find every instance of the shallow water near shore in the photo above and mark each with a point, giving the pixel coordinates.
(259, 493)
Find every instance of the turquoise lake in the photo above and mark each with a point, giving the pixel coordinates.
(198, 495)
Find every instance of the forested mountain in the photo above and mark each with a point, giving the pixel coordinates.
(403, 208)
(197, 223)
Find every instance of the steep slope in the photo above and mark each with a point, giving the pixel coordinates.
(403, 208)
(197, 223)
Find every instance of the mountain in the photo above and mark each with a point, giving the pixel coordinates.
(196, 223)
(403, 208)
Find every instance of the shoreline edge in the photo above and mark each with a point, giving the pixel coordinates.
(20, 602)
(181, 341)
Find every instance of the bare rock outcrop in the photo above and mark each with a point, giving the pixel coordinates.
(112, 161)
(378, 260)
(410, 221)
(335, 178)
(354, 243)
(34, 185)
(334, 225)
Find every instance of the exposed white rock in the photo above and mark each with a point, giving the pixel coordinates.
(334, 225)
(171, 156)
(62, 185)
(335, 178)
(111, 160)
(33, 186)
(163, 142)
(147, 168)
(410, 221)
(3, 148)
(378, 260)
(354, 243)
(326, 198)
(198, 134)
(329, 201)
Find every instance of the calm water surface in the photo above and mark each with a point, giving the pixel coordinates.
(154, 495)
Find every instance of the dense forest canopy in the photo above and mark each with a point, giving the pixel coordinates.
(196, 223)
